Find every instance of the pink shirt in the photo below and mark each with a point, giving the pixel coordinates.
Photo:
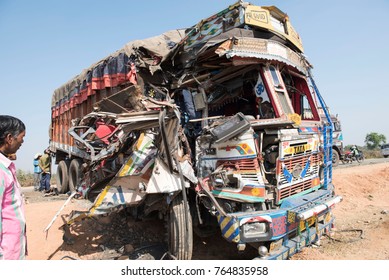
(13, 242)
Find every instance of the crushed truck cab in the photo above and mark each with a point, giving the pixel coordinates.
(218, 129)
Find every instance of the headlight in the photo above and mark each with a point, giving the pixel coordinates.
(256, 229)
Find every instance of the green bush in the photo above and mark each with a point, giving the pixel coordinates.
(26, 179)
(372, 153)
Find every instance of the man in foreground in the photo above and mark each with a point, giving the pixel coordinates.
(13, 244)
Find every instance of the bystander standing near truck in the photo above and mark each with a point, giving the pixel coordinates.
(37, 171)
(45, 165)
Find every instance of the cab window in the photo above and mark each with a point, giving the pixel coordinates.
(281, 93)
(274, 76)
(302, 101)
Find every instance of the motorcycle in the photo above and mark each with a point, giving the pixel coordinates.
(360, 157)
(352, 155)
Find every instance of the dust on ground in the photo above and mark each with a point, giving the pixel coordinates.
(361, 233)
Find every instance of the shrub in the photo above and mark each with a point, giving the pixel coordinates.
(372, 153)
(26, 179)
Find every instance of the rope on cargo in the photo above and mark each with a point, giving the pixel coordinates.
(346, 230)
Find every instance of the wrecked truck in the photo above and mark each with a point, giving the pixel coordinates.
(215, 129)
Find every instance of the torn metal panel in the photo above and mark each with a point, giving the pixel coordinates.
(119, 195)
(127, 187)
(188, 171)
(112, 198)
(130, 190)
(102, 134)
(145, 169)
(142, 156)
(162, 180)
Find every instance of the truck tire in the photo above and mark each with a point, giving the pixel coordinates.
(74, 174)
(335, 158)
(180, 232)
(62, 176)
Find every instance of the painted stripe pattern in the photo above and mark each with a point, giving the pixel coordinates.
(229, 227)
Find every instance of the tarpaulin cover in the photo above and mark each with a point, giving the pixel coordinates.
(117, 68)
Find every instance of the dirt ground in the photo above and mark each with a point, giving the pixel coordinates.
(361, 233)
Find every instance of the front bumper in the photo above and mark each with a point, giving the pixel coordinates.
(289, 247)
(297, 223)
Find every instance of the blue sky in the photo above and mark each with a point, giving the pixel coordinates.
(46, 43)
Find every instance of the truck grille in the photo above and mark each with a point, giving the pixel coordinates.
(248, 169)
(293, 189)
(241, 165)
(297, 176)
